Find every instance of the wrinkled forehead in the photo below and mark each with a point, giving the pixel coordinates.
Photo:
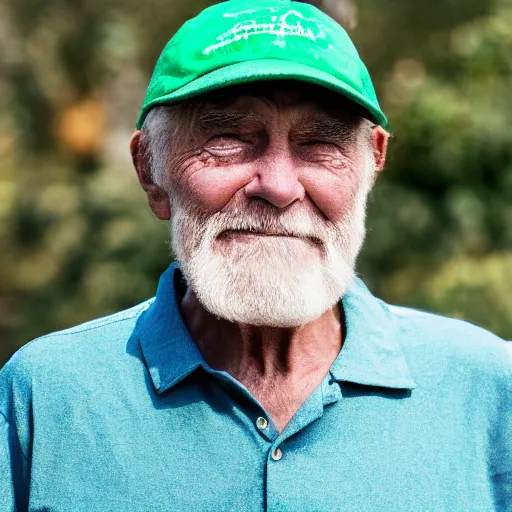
(301, 96)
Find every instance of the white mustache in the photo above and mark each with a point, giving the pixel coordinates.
(296, 224)
(280, 233)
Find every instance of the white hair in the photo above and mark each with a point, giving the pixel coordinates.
(158, 131)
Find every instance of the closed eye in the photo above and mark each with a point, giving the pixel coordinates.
(229, 138)
(228, 144)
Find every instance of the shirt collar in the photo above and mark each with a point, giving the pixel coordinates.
(371, 354)
(167, 346)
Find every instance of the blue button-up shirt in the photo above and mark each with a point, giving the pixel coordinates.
(123, 414)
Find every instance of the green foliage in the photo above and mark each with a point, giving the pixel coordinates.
(440, 224)
(79, 242)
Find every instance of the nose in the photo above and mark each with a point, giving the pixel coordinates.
(276, 180)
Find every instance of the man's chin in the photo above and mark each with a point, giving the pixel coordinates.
(285, 314)
(275, 293)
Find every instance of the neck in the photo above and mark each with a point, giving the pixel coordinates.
(264, 354)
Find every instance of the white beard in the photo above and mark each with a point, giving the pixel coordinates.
(268, 281)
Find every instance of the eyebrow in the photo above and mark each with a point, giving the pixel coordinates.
(336, 126)
(227, 119)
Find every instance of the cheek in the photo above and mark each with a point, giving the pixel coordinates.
(334, 193)
(211, 188)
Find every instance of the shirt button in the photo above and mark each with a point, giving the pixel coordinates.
(261, 423)
(277, 454)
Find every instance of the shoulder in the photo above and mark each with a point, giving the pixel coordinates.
(94, 335)
(423, 324)
(74, 349)
(457, 345)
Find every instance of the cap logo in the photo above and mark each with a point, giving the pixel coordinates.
(290, 24)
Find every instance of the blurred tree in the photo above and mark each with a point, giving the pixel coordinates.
(445, 205)
(343, 11)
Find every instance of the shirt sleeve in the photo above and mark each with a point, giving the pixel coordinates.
(14, 424)
(502, 471)
(6, 474)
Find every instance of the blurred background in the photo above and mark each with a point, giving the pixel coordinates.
(78, 241)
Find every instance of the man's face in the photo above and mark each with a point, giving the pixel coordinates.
(267, 198)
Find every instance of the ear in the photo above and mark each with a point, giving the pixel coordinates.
(158, 199)
(380, 139)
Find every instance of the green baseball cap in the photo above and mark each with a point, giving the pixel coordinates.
(241, 41)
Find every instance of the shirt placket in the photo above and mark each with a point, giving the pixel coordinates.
(278, 465)
(279, 462)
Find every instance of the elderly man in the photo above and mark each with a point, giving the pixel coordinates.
(264, 375)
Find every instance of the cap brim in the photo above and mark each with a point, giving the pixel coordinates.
(264, 69)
